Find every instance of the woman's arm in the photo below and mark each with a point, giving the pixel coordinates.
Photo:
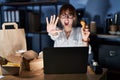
(85, 36)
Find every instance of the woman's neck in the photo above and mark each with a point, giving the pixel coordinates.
(68, 29)
(67, 32)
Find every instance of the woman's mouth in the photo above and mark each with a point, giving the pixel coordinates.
(66, 23)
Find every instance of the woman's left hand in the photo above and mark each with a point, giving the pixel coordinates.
(85, 34)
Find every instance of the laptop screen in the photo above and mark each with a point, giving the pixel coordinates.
(65, 60)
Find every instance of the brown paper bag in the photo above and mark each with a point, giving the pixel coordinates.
(12, 40)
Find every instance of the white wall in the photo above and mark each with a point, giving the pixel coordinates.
(79, 3)
(114, 6)
(93, 7)
(98, 7)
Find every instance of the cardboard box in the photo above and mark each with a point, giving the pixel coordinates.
(10, 69)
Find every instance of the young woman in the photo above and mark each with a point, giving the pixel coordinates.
(69, 35)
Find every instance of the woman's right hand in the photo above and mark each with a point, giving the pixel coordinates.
(52, 25)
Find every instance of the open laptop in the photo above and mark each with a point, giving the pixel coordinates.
(65, 60)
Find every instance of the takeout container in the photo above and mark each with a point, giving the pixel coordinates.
(10, 69)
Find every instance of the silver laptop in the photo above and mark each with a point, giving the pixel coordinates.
(65, 60)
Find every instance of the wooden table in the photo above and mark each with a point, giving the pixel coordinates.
(39, 75)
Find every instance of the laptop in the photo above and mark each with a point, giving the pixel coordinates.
(65, 60)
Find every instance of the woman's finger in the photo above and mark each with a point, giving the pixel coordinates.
(47, 20)
(58, 30)
(56, 20)
(51, 18)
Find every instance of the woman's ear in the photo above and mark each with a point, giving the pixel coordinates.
(74, 18)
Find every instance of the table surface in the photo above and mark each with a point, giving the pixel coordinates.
(39, 75)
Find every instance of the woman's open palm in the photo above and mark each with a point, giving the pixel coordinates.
(52, 25)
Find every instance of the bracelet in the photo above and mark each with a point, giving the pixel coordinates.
(86, 40)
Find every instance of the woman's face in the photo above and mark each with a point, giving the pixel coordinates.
(67, 19)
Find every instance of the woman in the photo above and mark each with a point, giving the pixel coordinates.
(69, 35)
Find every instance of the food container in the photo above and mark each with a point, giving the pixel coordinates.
(10, 69)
